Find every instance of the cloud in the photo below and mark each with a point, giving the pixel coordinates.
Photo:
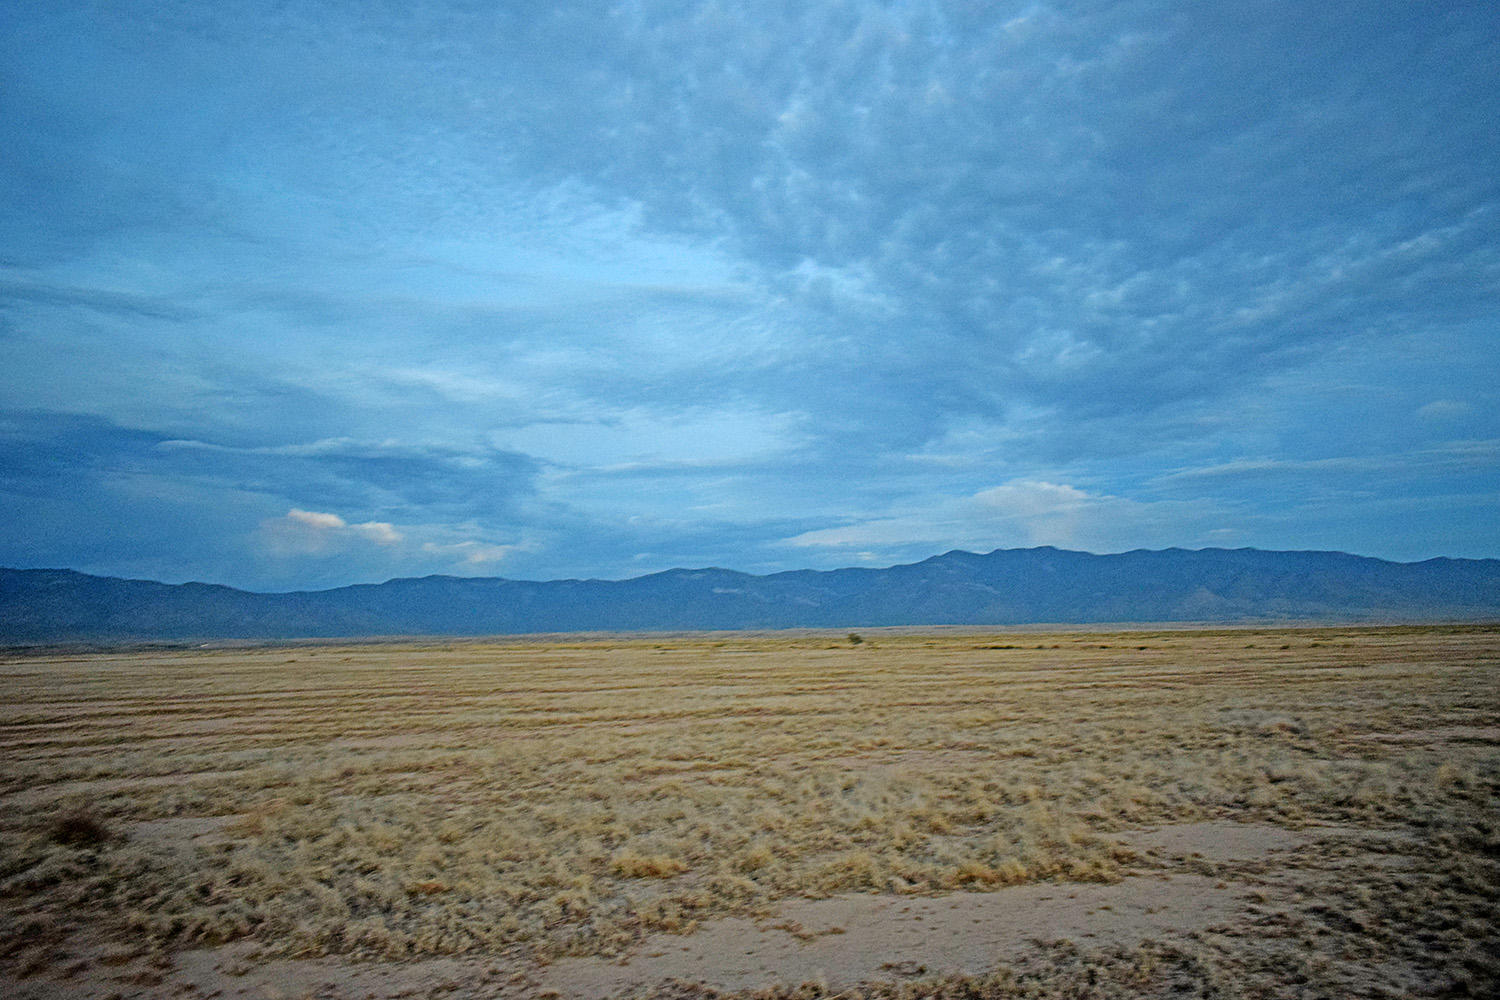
(300, 539)
(1448, 460)
(316, 521)
(1444, 410)
(379, 532)
(471, 553)
(308, 532)
(458, 482)
(703, 437)
(1023, 513)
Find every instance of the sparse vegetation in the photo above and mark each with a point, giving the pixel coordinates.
(544, 798)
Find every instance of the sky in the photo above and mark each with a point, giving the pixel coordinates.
(302, 294)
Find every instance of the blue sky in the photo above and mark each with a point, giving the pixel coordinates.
(302, 294)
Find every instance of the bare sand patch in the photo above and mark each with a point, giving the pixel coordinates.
(237, 972)
(861, 938)
(1217, 840)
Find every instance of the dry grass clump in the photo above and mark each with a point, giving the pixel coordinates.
(79, 828)
(633, 865)
(398, 801)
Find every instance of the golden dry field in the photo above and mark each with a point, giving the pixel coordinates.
(1237, 813)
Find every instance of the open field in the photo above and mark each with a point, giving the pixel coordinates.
(1305, 812)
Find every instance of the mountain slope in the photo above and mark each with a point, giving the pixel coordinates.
(1004, 587)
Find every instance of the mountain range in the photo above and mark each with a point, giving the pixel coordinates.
(1004, 587)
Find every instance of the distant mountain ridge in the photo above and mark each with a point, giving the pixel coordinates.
(1003, 587)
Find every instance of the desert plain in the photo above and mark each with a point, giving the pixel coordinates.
(1249, 812)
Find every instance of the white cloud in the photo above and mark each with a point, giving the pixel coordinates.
(309, 532)
(315, 520)
(1032, 498)
(379, 532)
(379, 547)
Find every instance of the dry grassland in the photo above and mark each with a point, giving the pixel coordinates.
(524, 801)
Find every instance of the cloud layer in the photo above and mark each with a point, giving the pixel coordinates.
(596, 293)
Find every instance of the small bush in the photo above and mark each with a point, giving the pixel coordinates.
(79, 828)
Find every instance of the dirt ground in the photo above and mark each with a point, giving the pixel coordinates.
(1237, 813)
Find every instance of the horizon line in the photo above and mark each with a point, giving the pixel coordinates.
(724, 569)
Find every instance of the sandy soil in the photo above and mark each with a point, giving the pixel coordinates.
(861, 938)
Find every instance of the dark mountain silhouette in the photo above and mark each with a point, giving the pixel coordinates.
(1005, 587)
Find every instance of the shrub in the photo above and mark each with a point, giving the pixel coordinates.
(79, 828)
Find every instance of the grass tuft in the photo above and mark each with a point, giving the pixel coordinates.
(79, 828)
(633, 865)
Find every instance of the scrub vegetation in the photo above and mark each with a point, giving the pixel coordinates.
(548, 797)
